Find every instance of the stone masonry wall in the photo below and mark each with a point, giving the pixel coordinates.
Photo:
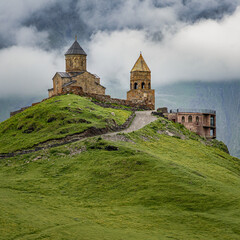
(102, 100)
(107, 99)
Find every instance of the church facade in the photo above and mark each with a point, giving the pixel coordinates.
(76, 77)
(140, 84)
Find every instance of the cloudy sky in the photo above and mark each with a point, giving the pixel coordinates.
(188, 40)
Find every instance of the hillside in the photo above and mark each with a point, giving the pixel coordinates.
(224, 97)
(56, 118)
(160, 182)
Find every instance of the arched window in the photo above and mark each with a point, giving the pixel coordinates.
(143, 85)
(183, 119)
(135, 85)
(190, 119)
(149, 86)
(197, 119)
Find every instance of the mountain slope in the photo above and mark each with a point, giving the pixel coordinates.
(147, 186)
(222, 96)
(56, 118)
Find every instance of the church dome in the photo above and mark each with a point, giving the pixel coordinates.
(140, 65)
(75, 49)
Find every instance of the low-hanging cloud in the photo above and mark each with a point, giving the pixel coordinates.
(208, 50)
(27, 71)
(151, 14)
(180, 40)
(13, 13)
(155, 16)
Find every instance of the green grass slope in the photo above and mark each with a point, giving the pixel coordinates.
(56, 118)
(151, 186)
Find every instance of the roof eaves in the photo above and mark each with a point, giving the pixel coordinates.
(69, 83)
(75, 49)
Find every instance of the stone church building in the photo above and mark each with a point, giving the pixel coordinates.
(76, 75)
(140, 84)
(76, 79)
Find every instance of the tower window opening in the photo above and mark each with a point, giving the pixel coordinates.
(212, 121)
(190, 119)
(183, 119)
(197, 119)
(135, 86)
(149, 86)
(143, 85)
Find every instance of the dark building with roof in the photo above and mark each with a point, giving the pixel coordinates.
(76, 76)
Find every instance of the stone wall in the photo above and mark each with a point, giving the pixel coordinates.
(146, 96)
(106, 100)
(102, 100)
(73, 89)
(89, 83)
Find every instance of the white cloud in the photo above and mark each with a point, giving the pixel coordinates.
(151, 15)
(208, 50)
(29, 36)
(124, 14)
(14, 12)
(27, 71)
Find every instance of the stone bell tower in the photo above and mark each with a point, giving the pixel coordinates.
(76, 58)
(140, 84)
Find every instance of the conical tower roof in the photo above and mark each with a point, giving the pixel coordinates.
(75, 49)
(140, 65)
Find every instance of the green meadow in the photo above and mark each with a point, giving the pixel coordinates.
(56, 118)
(150, 186)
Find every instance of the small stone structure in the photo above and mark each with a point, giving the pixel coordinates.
(140, 84)
(200, 121)
(76, 74)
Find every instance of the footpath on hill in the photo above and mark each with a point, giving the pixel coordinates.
(141, 119)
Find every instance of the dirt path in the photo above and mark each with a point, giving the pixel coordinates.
(141, 119)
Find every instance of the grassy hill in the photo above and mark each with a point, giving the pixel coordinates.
(56, 118)
(149, 186)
